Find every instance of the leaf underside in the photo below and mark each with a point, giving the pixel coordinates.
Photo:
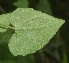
(33, 30)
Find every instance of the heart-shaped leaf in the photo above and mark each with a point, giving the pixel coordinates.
(33, 30)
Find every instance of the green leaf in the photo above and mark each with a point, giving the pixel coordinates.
(44, 6)
(4, 22)
(2, 30)
(33, 30)
(5, 37)
(21, 3)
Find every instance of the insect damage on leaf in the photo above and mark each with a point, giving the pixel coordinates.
(33, 30)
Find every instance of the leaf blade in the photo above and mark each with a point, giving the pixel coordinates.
(4, 22)
(32, 36)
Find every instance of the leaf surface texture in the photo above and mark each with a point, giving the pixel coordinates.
(33, 30)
